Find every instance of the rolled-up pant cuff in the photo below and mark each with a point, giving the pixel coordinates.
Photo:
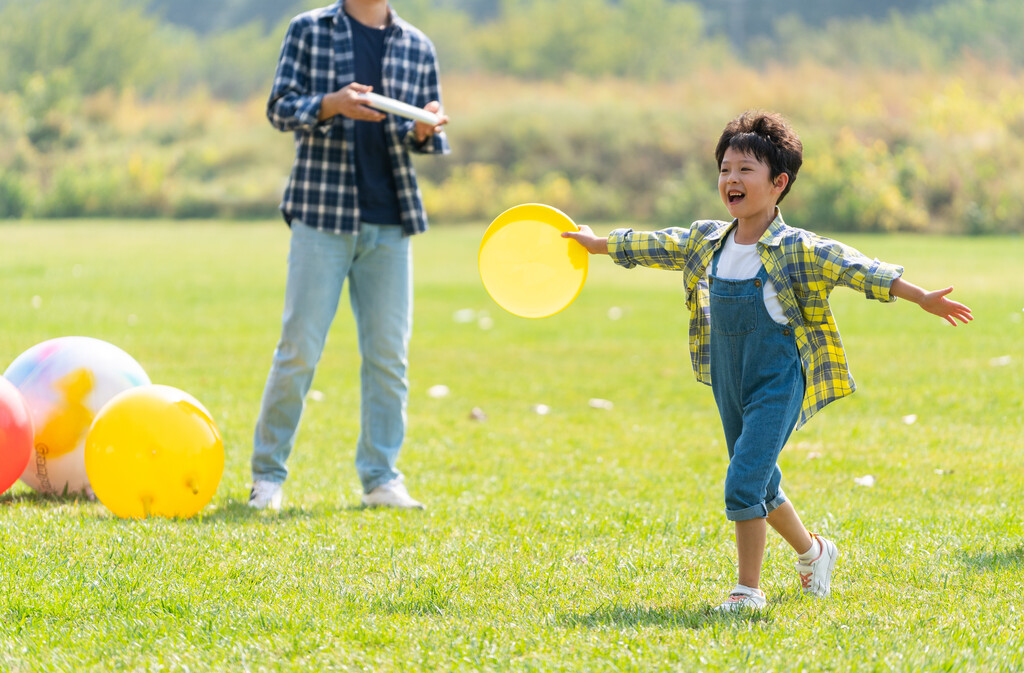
(758, 511)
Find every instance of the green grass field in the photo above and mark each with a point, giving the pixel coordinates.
(581, 540)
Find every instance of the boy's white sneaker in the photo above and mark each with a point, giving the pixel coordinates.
(392, 494)
(816, 573)
(265, 494)
(743, 598)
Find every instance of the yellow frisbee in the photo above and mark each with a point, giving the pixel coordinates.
(525, 264)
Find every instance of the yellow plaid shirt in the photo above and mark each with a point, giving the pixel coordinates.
(803, 266)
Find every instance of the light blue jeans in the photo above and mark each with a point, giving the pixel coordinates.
(377, 262)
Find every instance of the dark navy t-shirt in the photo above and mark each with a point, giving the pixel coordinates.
(378, 196)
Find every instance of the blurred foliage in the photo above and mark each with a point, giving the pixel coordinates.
(646, 39)
(741, 19)
(204, 16)
(171, 47)
(911, 120)
(100, 43)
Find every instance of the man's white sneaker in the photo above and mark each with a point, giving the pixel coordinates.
(816, 573)
(391, 494)
(265, 494)
(743, 598)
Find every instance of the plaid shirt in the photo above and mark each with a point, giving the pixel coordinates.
(317, 59)
(803, 266)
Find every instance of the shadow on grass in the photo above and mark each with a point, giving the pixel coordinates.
(666, 617)
(232, 511)
(997, 559)
(238, 511)
(43, 499)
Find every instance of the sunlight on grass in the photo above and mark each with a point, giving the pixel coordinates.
(582, 538)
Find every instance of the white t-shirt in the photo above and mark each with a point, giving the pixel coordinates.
(740, 262)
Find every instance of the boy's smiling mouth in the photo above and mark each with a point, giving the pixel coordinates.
(735, 196)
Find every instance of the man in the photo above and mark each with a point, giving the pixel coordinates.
(352, 204)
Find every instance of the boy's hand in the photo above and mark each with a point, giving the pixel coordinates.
(595, 245)
(935, 302)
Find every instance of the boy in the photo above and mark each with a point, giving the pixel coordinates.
(762, 333)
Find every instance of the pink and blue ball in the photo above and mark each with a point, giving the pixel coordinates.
(65, 382)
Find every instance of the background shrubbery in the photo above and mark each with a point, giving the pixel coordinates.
(911, 121)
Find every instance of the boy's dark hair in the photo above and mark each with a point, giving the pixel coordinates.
(766, 136)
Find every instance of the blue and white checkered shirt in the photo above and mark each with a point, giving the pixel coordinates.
(317, 59)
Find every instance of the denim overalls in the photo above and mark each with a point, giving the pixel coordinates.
(758, 383)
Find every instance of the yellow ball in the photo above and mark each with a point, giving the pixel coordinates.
(154, 451)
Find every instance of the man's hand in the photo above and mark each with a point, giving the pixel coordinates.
(347, 102)
(424, 131)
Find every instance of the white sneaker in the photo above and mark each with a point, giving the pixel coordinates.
(391, 494)
(816, 574)
(743, 598)
(265, 494)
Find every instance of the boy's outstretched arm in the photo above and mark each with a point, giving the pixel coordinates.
(595, 245)
(934, 302)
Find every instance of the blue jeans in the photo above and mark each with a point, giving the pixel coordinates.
(377, 262)
(758, 383)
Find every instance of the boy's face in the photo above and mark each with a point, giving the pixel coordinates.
(746, 187)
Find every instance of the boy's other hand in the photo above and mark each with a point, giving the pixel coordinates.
(938, 304)
(934, 302)
(595, 245)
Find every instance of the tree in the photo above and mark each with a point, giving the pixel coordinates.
(102, 43)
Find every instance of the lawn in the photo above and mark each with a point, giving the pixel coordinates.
(582, 539)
